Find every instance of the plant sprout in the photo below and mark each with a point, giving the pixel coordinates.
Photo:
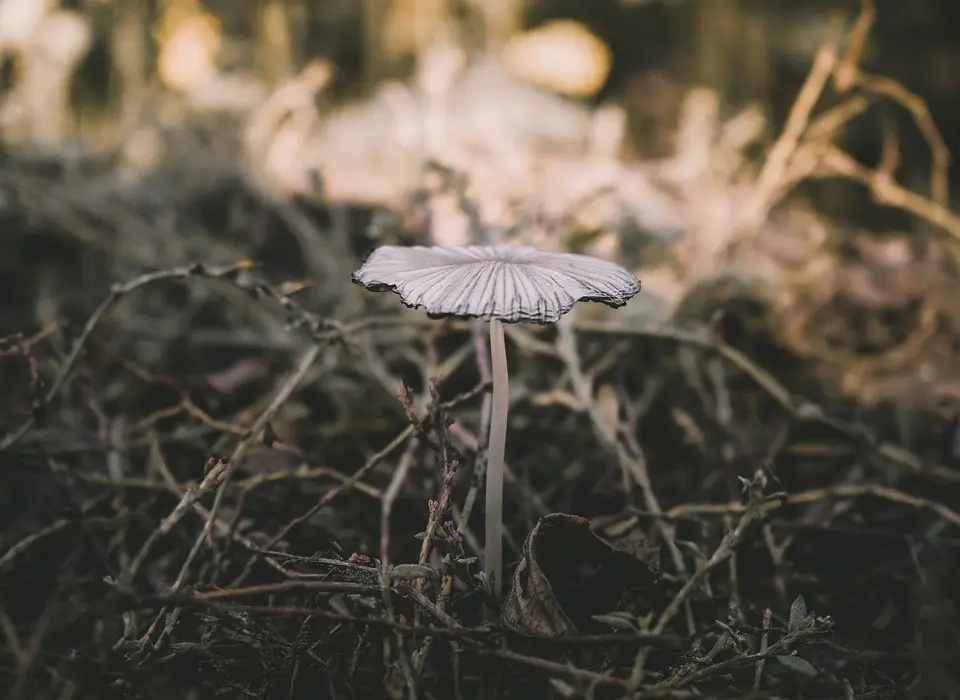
(502, 284)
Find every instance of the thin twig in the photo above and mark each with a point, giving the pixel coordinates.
(724, 550)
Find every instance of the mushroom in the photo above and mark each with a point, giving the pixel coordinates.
(503, 284)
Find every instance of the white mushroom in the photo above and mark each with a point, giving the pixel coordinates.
(504, 284)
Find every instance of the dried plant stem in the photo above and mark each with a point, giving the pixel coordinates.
(220, 472)
(772, 179)
(493, 544)
(764, 645)
(390, 497)
(724, 551)
(402, 657)
(629, 456)
(320, 330)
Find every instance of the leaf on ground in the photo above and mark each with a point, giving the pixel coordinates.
(795, 663)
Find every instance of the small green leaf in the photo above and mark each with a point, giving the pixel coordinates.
(795, 663)
(564, 689)
(619, 620)
(798, 613)
(411, 572)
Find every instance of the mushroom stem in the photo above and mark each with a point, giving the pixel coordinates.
(493, 542)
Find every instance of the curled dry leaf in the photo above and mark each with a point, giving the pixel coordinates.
(567, 575)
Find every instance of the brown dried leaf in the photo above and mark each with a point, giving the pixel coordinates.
(567, 575)
(635, 542)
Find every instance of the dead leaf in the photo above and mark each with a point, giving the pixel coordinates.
(635, 542)
(567, 575)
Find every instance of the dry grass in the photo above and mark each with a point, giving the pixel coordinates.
(214, 480)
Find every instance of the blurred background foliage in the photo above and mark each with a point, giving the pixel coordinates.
(116, 53)
(159, 108)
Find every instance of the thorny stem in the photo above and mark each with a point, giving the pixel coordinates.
(493, 543)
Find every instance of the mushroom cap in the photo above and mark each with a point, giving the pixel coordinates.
(509, 282)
